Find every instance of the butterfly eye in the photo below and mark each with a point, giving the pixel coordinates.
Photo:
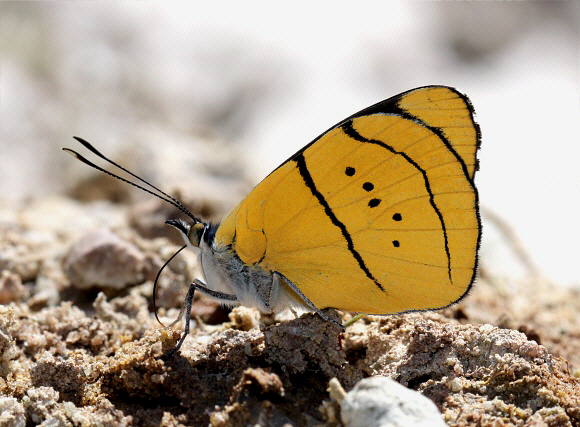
(195, 233)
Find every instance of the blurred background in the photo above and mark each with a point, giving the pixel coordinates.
(213, 96)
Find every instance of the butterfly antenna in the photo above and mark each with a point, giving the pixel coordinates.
(165, 197)
(155, 285)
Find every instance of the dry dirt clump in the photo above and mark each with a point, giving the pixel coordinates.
(79, 349)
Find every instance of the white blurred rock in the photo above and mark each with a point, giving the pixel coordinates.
(11, 288)
(104, 260)
(382, 402)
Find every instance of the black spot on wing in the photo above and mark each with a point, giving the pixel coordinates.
(351, 132)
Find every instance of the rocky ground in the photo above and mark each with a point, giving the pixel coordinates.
(79, 345)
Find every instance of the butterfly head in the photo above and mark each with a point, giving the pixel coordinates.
(192, 234)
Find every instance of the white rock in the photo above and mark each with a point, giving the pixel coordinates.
(102, 259)
(12, 413)
(382, 402)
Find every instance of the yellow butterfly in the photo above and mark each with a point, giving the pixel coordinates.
(377, 215)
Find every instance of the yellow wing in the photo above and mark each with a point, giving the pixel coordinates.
(377, 215)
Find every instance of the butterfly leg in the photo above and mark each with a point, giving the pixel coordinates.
(307, 301)
(186, 307)
(202, 287)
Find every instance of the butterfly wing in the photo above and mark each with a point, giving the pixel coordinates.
(377, 215)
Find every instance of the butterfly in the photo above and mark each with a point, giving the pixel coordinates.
(377, 215)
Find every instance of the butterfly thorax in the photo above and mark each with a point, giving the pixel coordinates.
(252, 285)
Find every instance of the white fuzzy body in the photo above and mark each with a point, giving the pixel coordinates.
(253, 286)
